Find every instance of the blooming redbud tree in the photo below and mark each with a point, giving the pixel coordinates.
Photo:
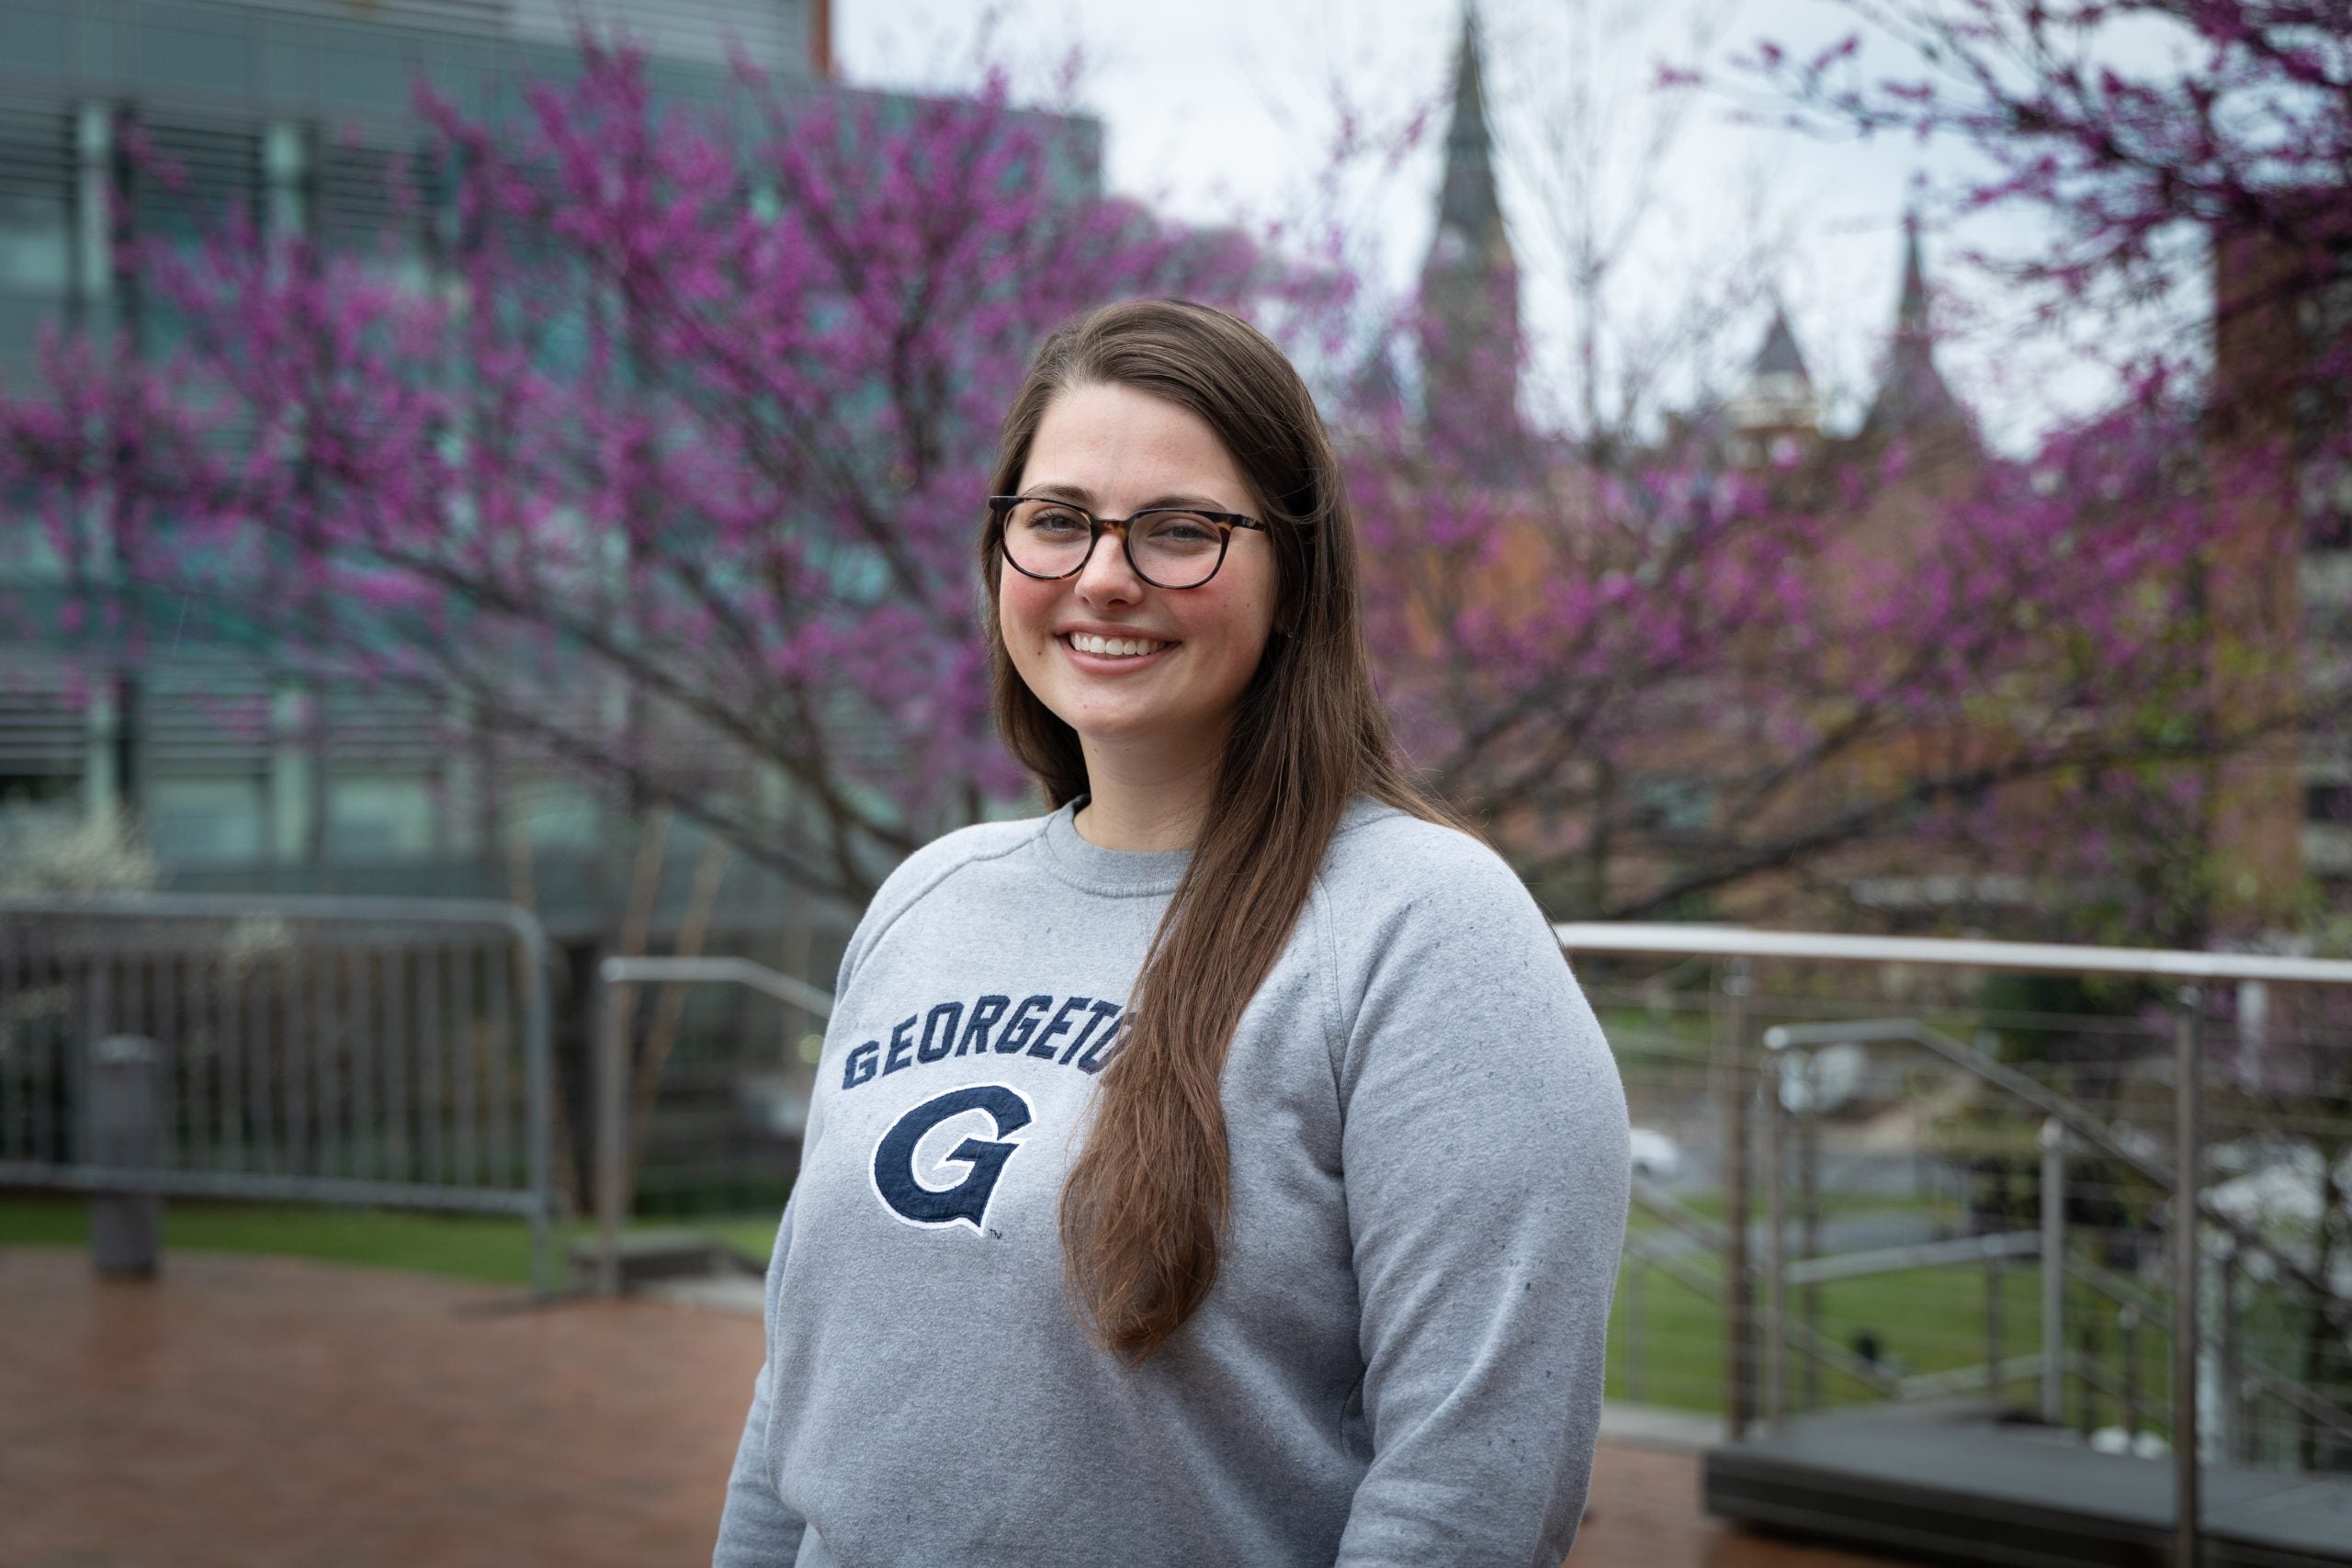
(1704, 682)
(1676, 684)
(655, 440)
(2188, 170)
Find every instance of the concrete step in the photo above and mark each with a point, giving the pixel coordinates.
(648, 1257)
(1954, 1489)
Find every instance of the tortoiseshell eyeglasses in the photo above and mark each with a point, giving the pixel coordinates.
(1168, 547)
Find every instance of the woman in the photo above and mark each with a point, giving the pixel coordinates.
(1224, 1168)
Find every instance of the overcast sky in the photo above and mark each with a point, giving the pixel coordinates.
(1223, 111)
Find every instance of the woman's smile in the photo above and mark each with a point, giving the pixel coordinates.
(1114, 652)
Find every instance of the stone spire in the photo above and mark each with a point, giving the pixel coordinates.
(1469, 298)
(1375, 392)
(1914, 402)
(1776, 415)
(1467, 203)
(1780, 357)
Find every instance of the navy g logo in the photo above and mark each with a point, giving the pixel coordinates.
(894, 1156)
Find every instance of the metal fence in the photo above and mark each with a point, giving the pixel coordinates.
(1876, 1170)
(383, 1052)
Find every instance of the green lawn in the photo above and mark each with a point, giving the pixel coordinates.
(1925, 1320)
(1713, 1206)
(464, 1246)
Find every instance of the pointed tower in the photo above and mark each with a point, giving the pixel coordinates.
(1469, 326)
(1376, 393)
(1776, 414)
(1913, 403)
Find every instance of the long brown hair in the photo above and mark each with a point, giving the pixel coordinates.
(1145, 1206)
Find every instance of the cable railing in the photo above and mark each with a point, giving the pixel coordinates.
(1889, 1111)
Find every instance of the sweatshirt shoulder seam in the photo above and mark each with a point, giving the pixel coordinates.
(961, 861)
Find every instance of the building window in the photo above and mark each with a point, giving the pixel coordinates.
(378, 819)
(36, 233)
(211, 820)
(36, 229)
(559, 815)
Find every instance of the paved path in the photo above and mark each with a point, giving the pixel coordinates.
(266, 1412)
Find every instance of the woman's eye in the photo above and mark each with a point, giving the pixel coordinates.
(1057, 523)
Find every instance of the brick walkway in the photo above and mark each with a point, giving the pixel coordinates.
(264, 1413)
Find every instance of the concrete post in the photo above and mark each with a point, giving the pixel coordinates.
(2054, 1272)
(1996, 1339)
(612, 1135)
(1775, 1335)
(2186, 1197)
(1733, 1086)
(1636, 1328)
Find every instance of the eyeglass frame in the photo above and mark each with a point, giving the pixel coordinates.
(1001, 507)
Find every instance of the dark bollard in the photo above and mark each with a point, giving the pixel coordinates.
(125, 1132)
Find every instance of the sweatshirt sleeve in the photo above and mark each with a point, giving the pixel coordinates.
(756, 1530)
(1486, 1170)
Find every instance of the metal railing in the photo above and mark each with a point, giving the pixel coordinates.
(2176, 1174)
(613, 1076)
(2066, 1126)
(365, 1052)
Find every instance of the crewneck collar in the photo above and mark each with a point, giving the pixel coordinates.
(1125, 873)
(1119, 872)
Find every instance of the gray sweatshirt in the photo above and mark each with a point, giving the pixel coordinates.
(1400, 1362)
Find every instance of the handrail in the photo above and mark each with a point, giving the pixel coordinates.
(786, 989)
(1911, 1032)
(1953, 1380)
(292, 905)
(2157, 1314)
(1919, 1255)
(1678, 1213)
(2152, 962)
(1811, 1341)
(611, 1070)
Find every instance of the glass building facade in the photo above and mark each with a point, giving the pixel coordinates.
(240, 775)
